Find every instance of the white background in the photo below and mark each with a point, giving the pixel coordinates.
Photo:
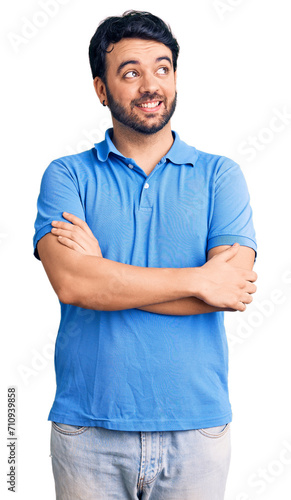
(233, 80)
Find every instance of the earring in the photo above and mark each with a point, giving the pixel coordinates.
(104, 103)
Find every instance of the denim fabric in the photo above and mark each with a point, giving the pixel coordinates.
(92, 463)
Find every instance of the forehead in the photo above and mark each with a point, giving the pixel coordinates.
(145, 51)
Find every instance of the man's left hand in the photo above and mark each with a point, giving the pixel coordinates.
(76, 235)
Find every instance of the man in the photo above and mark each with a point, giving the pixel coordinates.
(146, 241)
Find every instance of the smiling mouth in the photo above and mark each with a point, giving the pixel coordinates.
(150, 106)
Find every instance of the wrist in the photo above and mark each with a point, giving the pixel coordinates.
(198, 283)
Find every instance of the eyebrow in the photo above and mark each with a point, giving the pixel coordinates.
(133, 61)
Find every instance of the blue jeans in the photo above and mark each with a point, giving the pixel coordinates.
(92, 463)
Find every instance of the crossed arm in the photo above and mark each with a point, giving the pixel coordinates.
(81, 276)
(243, 259)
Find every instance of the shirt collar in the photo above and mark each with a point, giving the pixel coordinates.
(180, 153)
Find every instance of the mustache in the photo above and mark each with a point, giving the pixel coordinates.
(146, 98)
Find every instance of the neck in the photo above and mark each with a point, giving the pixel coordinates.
(145, 149)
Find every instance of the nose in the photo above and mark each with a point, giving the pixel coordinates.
(149, 83)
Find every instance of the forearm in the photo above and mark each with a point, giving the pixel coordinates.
(94, 282)
(97, 283)
(191, 305)
(182, 307)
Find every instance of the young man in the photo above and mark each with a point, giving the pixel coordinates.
(146, 241)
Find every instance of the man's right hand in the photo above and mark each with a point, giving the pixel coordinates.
(224, 285)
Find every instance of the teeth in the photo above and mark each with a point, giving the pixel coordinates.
(149, 104)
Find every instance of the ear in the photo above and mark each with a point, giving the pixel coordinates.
(100, 89)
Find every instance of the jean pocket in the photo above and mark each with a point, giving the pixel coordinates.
(68, 428)
(215, 432)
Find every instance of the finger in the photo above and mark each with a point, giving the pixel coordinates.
(254, 276)
(70, 244)
(249, 275)
(229, 253)
(78, 238)
(238, 306)
(71, 227)
(247, 298)
(241, 307)
(63, 225)
(251, 288)
(77, 222)
(76, 234)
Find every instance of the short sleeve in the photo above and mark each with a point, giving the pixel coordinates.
(58, 193)
(231, 220)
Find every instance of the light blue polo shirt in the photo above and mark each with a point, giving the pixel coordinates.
(133, 370)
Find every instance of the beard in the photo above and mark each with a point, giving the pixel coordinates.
(130, 118)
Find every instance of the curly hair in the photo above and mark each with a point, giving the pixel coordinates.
(132, 24)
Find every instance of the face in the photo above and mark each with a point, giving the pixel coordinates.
(140, 88)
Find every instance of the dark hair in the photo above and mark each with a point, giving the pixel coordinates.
(132, 24)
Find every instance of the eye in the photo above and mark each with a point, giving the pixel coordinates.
(163, 70)
(131, 74)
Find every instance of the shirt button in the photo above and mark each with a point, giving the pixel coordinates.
(146, 185)
(130, 166)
